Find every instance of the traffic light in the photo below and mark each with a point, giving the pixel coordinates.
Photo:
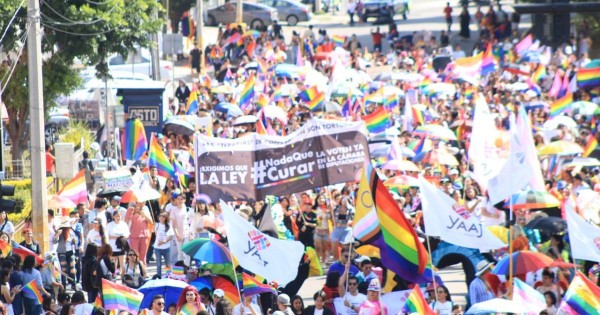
(7, 204)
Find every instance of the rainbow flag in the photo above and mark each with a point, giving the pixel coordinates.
(339, 40)
(158, 158)
(247, 93)
(539, 73)
(120, 297)
(591, 145)
(317, 102)
(460, 131)
(32, 291)
(98, 301)
(561, 105)
(309, 93)
(425, 82)
(583, 296)
(469, 65)
(75, 189)
(487, 61)
(415, 303)
(191, 108)
(263, 100)
(178, 270)
(588, 78)
(253, 286)
(377, 121)
(391, 102)
(134, 140)
(398, 243)
(418, 115)
(24, 252)
(5, 248)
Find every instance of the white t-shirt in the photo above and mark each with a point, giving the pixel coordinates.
(114, 229)
(9, 228)
(318, 312)
(179, 219)
(355, 301)
(162, 235)
(240, 309)
(458, 54)
(444, 308)
(84, 309)
(94, 237)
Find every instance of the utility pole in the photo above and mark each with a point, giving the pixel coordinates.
(200, 32)
(154, 52)
(39, 203)
(239, 12)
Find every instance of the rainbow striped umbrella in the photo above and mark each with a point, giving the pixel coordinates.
(524, 261)
(532, 199)
(401, 181)
(436, 132)
(207, 250)
(213, 282)
(401, 165)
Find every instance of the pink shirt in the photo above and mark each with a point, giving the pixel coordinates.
(139, 224)
(372, 308)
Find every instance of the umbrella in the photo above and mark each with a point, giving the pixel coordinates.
(436, 156)
(345, 91)
(224, 107)
(275, 112)
(139, 195)
(537, 104)
(494, 306)
(436, 131)
(500, 232)
(584, 108)
(401, 181)
(207, 250)
(286, 70)
(593, 64)
(109, 193)
(392, 90)
(246, 119)
(582, 162)
(524, 261)
(179, 126)
(441, 88)
(330, 107)
(547, 226)
(213, 282)
(251, 65)
(401, 165)
(560, 120)
(560, 147)
(169, 288)
(532, 199)
(222, 89)
(235, 112)
(59, 202)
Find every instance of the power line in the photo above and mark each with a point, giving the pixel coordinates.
(74, 22)
(9, 74)
(11, 20)
(78, 34)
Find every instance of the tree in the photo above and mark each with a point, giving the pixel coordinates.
(176, 9)
(86, 30)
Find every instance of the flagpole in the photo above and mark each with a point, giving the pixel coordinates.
(349, 257)
(432, 271)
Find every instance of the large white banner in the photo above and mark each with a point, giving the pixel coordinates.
(584, 237)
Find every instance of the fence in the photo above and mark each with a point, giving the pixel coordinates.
(17, 169)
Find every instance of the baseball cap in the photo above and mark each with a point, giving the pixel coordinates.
(283, 299)
(219, 293)
(374, 285)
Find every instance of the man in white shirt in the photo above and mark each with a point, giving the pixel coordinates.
(115, 204)
(352, 298)
(179, 221)
(247, 307)
(99, 212)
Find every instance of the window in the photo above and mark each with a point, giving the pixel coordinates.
(116, 60)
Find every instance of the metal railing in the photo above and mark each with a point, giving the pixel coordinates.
(17, 169)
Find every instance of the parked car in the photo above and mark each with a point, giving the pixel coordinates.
(139, 63)
(374, 8)
(254, 14)
(290, 11)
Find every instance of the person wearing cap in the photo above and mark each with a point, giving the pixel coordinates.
(48, 279)
(178, 215)
(29, 243)
(479, 289)
(115, 205)
(373, 304)
(284, 304)
(5, 225)
(247, 307)
(319, 308)
(66, 243)
(211, 306)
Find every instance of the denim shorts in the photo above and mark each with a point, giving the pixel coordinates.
(340, 234)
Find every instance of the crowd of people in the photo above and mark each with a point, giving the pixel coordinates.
(120, 242)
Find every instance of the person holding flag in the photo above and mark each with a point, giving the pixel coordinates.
(373, 304)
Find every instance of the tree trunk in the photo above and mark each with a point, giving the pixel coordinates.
(18, 131)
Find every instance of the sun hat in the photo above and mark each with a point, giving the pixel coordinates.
(482, 267)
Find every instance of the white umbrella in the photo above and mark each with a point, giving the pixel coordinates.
(560, 120)
(275, 112)
(246, 119)
(496, 306)
(401, 165)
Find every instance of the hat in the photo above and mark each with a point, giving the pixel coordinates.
(175, 194)
(283, 299)
(66, 224)
(116, 198)
(453, 172)
(561, 185)
(363, 259)
(218, 292)
(482, 267)
(374, 285)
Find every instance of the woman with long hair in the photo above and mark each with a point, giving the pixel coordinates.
(139, 218)
(307, 222)
(88, 261)
(68, 309)
(66, 241)
(7, 295)
(297, 305)
(223, 308)
(443, 303)
(342, 215)
(105, 269)
(165, 195)
(321, 206)
(135, 271)
(118, 233)
(189, 301)
(31, 305)
(96, 234)
(373, 303)
(162, 245)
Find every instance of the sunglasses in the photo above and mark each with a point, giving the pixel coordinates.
(160, 303)
(352, 283)
(132, 255)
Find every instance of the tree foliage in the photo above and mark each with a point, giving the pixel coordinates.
(85, 30)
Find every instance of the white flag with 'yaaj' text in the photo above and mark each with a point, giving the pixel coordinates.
(274, 259)
(584, 237)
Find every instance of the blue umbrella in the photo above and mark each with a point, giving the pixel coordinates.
(286, 70)
(224, 107)
(234, 112)
(537, 104)
(531, 56)
(170, 288)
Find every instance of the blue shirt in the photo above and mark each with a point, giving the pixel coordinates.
(479, 291)
(27, 277)
(339, 268)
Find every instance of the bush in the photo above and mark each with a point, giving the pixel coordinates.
(22, 199)
(74, 132)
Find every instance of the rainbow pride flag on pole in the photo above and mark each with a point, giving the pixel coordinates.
(253, 286)
(378, 121)
(588, 78)
(31, 289)
(316, 102)
(583, 296)
(309, 93)
(339, 40)
(247, 93)
(487, 61)
(561, 105)
(134, 140)
(158, 158)
(539, 73)
(591, 146)
(120, 297)
(415, 303)
(76, 189)
(191, 108)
